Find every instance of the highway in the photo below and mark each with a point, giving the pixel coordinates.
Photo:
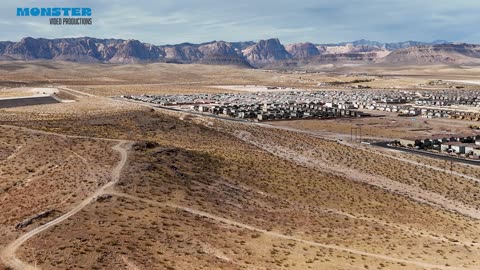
(428, 154)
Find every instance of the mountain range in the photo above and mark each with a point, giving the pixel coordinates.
(268, 53)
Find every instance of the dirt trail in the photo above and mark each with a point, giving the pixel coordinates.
(345, 141)
(19, 150)
(75, 93)
(387, 153)
(301, 207)
(8, 253)
(445, 170)
(287, 237)
(416, 193)
(42, 132)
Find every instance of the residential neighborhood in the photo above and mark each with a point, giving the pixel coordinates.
(461, 145)
(273, 104)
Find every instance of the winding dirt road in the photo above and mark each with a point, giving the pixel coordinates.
(284, 236)
(8, 253)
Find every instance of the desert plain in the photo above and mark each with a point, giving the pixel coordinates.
(98, 182)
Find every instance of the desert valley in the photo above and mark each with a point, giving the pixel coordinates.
(122, 162)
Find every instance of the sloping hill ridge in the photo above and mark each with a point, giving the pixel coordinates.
(436, 54)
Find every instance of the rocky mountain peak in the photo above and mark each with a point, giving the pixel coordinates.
(266, 51)
(302, 50)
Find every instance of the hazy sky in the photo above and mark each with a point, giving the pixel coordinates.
(318, 21)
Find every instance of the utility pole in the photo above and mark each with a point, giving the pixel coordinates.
(351, 134)
(360, 128)
(356, 134)
(451, 167)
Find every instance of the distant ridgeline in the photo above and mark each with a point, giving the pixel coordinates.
(269, 53)
(63, 15)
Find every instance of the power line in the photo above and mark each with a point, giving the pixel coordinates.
(356, 134)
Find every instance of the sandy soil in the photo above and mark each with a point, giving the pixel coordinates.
(203, 193)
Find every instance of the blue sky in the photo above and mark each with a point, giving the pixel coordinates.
(319, 21)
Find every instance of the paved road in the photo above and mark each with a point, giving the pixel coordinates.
(428, 154)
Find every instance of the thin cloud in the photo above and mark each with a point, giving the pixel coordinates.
(320, 21)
